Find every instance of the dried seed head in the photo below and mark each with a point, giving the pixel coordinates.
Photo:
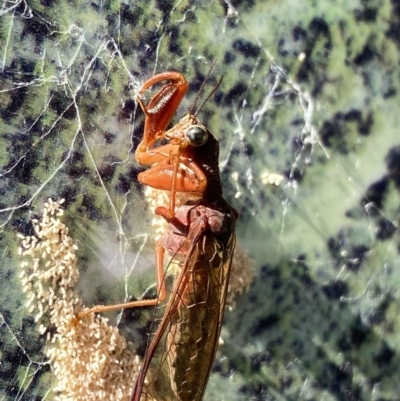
(91, 361)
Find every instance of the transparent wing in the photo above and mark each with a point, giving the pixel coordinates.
(178, 361)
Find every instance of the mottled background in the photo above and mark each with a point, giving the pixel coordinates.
(310, 92)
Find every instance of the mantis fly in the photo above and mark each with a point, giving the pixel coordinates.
(200, 240)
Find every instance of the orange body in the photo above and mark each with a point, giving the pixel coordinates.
(200, 240)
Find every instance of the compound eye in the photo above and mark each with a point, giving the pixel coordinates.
(196, 135)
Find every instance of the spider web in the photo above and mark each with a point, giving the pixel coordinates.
(309, 158)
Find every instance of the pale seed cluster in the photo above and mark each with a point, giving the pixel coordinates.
(242, 275)
(89, 358)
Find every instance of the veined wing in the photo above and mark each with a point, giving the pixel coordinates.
(177, 364)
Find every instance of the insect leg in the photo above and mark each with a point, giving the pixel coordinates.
(161, 291)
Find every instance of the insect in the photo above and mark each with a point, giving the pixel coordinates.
(200, 240)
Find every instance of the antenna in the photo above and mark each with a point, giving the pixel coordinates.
(201, 90)
(208, 97)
